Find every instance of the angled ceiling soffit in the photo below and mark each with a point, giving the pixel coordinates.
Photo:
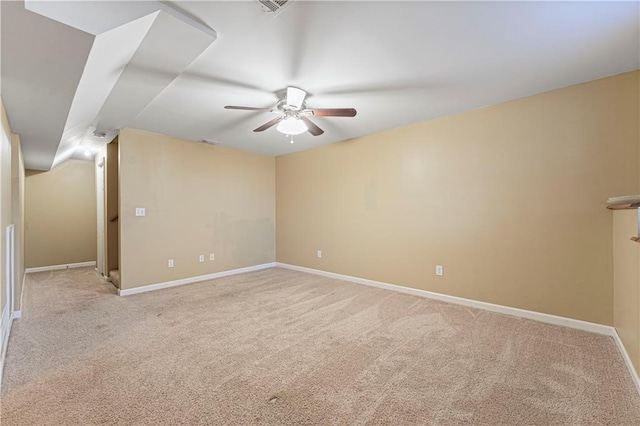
(110, 53)
(139, 48)
(167, 49)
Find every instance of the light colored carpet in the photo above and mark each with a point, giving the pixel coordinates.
(282, 347)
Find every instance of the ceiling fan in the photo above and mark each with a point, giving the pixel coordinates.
(294, 116)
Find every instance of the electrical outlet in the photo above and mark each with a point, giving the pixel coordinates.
(319, 253)
(439, 270)
(201, 258)
(140, 211)
(212, 256)
(170, 263)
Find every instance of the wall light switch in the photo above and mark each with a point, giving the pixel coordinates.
(439, 270)
(140, 211)
(212, 256)
(319, 253)
(201, 258)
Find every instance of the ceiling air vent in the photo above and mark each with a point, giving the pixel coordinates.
(273, 7)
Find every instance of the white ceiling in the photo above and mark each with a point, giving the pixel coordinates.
(395, 62)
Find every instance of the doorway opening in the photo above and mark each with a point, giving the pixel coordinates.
(111, 208)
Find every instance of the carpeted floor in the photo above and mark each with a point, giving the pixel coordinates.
(283, 347)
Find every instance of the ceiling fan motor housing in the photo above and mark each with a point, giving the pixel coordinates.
(285, 108)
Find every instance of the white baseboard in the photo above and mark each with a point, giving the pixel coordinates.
(5, 330)
(506, 310)
(192, 280)
(58, 267)
(627, 360)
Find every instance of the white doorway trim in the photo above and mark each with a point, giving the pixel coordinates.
(100, 161)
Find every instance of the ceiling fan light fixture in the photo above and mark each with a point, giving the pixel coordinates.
(293, 115)
(292, 126)
(295, 97)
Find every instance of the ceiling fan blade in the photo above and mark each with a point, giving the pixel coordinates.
(246, 108)
(295, 97)
(268, 124)
(313, 129)
(332, 112)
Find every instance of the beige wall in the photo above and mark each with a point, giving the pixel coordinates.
(5, 202)
(5, 146)
(5, 199)
(199, 199)
(60, 215)
(11, 211)
(509, 198)
(626, 278)
(17, 213)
